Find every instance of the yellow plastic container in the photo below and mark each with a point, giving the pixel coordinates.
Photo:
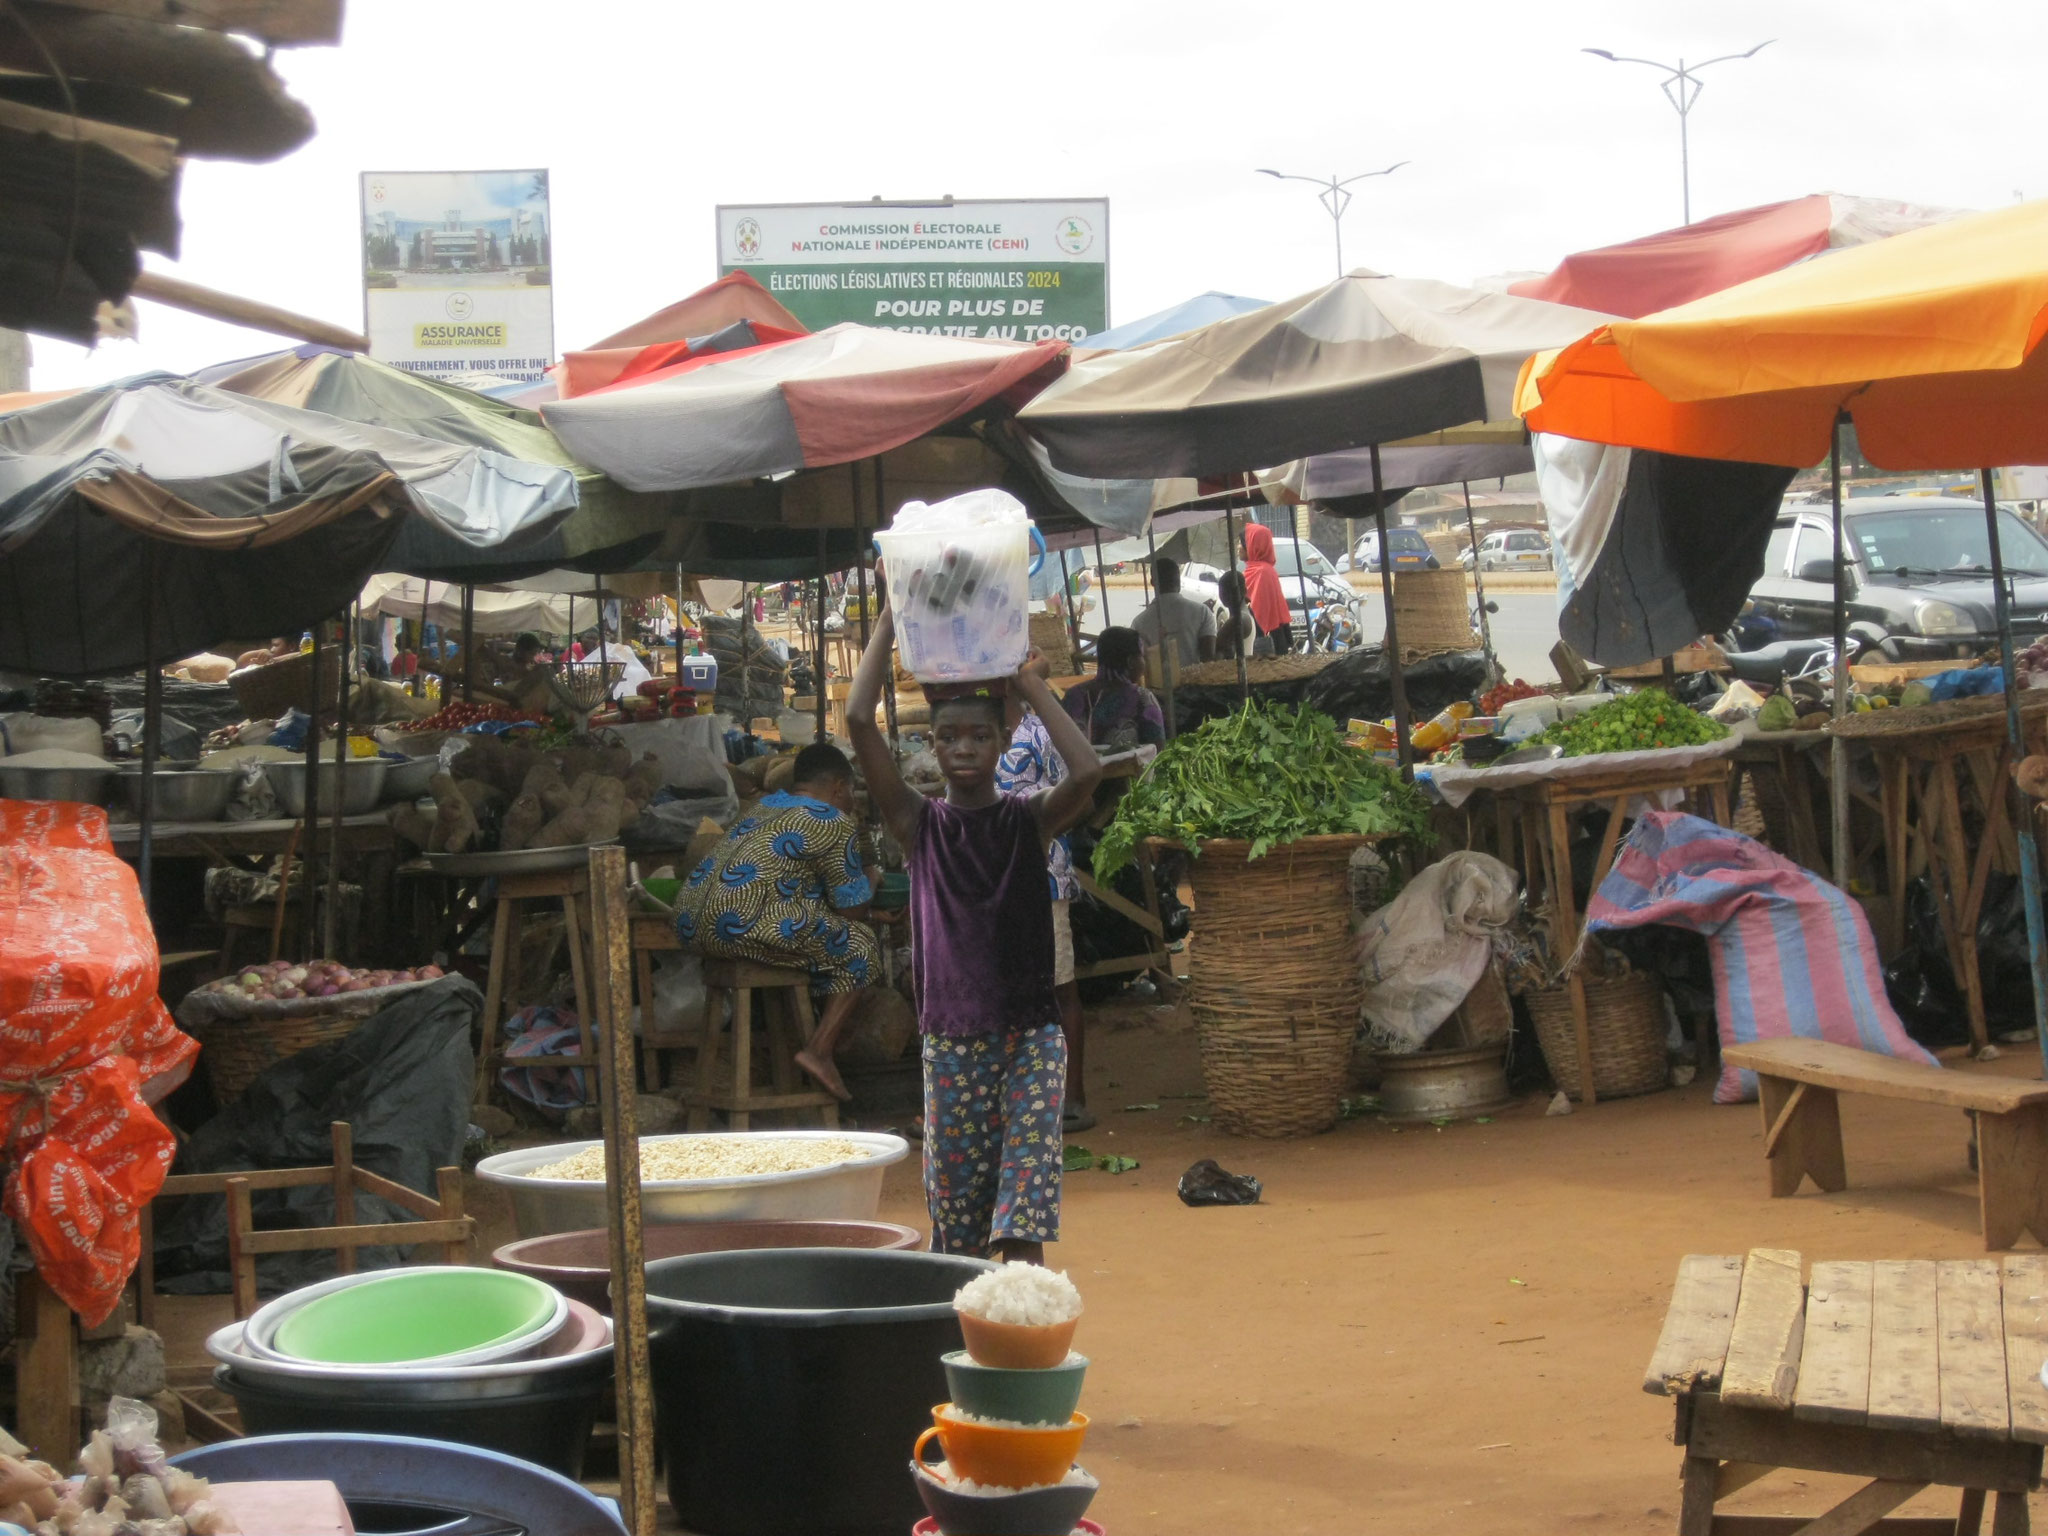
(1441, 731)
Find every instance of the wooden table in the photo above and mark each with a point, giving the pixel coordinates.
(1542, 814)
(1910, 1373)
(1788, 775)
(244, 842)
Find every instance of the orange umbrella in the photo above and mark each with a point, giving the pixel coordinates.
(1927, 340)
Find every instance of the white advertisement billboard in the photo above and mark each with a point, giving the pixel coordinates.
(457, 279)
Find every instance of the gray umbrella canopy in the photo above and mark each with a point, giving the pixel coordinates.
(1367, 359)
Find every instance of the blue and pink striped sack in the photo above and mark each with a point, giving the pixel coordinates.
(1792, 954)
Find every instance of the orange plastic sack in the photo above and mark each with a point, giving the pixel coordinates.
(86, 1047)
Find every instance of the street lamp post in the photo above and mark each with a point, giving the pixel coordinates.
(1682, 87)
(1335, 197)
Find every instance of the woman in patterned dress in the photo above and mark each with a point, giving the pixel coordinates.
(787, 887)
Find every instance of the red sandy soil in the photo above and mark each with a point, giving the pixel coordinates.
(1422, 1329)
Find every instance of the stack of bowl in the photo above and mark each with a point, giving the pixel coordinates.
(1010, 1435)
(480, 1357)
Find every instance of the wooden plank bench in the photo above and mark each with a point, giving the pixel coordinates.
(1912, 1374)
(1798, 1081)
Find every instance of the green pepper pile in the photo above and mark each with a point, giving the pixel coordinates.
(1266, 775)
(1633, 722)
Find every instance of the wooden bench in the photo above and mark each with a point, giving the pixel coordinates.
(1799, 1079)
(1912, 1374)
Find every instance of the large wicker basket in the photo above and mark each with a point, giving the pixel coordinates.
(1430, 613)
(1272, 982)
(235, 1051)
(269, 691)
(1625, 1027)
(1049, 633)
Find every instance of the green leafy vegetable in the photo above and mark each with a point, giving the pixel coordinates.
(1266, 775)
(1074, 1159)
(1634, 722)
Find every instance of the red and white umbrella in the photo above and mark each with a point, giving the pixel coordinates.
(842, 395)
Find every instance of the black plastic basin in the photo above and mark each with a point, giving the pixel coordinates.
(790, 1383)
(550, 1429)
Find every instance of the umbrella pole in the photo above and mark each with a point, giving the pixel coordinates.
(468, 635)
(420, 639)
(1838, 745)
(330, 925)
(604, 650)
(889, 691)
(152, 722)
(822, 684)
(309, 818)
(679, 621)
(1101, 582)
(1073, 601)
(860, 552)
(1393, 641)
(1478, 578)
(2023, 813)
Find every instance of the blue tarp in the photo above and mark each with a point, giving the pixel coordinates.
(1190, 314)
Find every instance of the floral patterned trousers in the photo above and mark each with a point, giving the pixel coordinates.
(992, 1148)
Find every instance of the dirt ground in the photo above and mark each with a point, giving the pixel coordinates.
(1422, 1328)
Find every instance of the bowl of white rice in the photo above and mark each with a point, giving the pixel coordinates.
(1020, 1317)
(962, 1507)
(702, 1176)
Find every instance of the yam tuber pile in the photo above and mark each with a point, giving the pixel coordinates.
(508, 796)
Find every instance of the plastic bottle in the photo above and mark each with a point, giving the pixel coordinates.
(1441, 731)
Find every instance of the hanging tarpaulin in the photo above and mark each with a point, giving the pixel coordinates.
(89, 1047)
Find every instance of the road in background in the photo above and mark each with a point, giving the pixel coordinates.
(1523, 631)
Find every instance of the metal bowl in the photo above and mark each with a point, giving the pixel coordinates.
(361, 788)
(90, 785)
(199, 794)
(409, 780)
(849, 1191)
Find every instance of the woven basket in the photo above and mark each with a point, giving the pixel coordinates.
(1430, 613)
(1049, 634)
(1272, 982)
(236, 1050)
(268, 691)
(1625, 1027)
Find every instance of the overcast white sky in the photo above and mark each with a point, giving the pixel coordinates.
(649, 114)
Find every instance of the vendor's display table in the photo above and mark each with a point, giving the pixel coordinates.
(654, 935)
(248, 842)
(1911, 1373)
(1788, 778)
(1944, 773)
(1541, 812)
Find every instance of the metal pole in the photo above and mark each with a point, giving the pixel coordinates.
(468, 635)
(1244, 687)
(1478, 577)
(860, 551)
(821, 635)
(1392, 645)
(1838, 745)
(419, 651)
(1073, 600)
(1684, 143)
(604, 650)
(679, 623)
(889, 689)
(330, 925)
(152, 723)
(2022, 808)
(310, 819)
(1101, 585)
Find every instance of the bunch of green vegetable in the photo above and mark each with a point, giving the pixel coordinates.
(1633, 722)
(1266, 775)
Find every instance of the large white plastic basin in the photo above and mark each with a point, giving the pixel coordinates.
(849, 1191)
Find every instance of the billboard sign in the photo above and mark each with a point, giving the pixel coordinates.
(1023, 271)
(456, 272)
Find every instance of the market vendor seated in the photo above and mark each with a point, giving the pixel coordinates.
(787, 887)
(1114, 707)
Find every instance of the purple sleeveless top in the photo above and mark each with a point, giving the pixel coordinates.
(980, 919)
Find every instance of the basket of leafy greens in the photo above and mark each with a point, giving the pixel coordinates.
(1266, 776)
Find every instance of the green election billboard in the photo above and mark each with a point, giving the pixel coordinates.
(1034, 270)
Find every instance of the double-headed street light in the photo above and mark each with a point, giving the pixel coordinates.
(1335, 198)
(1682, 88)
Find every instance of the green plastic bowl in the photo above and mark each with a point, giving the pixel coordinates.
(412, 1316)
(893, 891)
(663, 889)
(1022, 1397)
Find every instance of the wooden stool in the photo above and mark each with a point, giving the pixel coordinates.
(571, 888)
(651, 936)
(1913, 1374)
(787, 1008)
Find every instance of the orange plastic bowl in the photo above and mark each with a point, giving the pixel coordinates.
(1015, 1347)
(1004, 1458)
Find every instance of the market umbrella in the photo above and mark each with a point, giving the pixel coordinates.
(610, 526)
(1929, 342)
(1365, 361)
(1190, 314)
(848, 393)
(1676, 266)
(157, 517)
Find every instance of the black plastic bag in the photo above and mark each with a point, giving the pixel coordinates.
(402, 1080)
(1923, 988)
(1208, 1183)
(1358, 686)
